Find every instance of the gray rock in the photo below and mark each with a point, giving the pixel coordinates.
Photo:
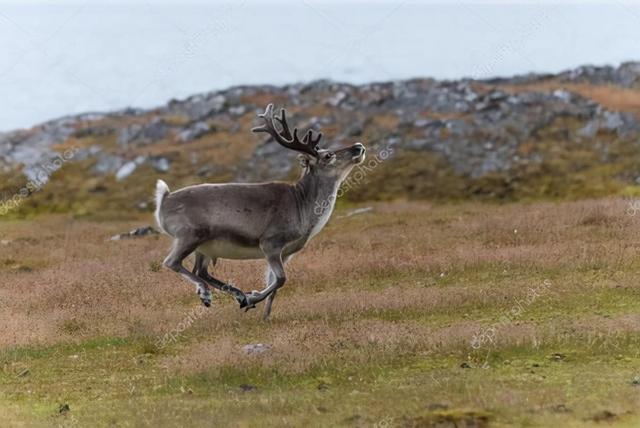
(626, 75)
(129, 167)
(194, 132)
(90, 152)
(497, 96)
(137, 134)
(129, 134)
(482, 105)
(126, 170)
(35, 149)
(238, 110)
(337, 99)
(612, 120)
(630, 124)
(590, 129)
(254, 349)
(456, 127)
(418, 144)
(358, 211)
(201, 107)
(421, 123)
(623, 123)
(156, 130)
(209, 170)
(107, 163)
(470, 97)
(160, 164)
(136, 233)
(563, 95)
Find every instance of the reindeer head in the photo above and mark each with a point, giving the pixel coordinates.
(328, 163)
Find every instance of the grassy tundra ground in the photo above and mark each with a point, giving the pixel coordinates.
(520, 314)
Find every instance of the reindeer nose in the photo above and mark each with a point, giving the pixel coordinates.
(358, 149)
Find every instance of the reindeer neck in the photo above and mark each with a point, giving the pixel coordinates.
(315, 196)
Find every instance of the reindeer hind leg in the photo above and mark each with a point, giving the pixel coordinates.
(203, 273)
(199, 267)
(179, 251)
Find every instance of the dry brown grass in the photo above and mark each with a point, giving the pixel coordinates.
(57, 269)
(408, 281)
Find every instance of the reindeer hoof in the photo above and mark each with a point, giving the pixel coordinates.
(243, 301)
(205, 297)
(251, 300)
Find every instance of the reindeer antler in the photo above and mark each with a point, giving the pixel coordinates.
(285, 137)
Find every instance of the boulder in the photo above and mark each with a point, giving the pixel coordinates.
(201, 107)
(160, 164)
(136, 233)
(126, 170)
(107, 163)
(139, 134)
(194, 131)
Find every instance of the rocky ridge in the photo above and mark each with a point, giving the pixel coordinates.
(473, 129)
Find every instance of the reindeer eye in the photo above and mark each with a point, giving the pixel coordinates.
(328, 156)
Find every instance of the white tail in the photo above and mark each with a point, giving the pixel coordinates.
(161, 191)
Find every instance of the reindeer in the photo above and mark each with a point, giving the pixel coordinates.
(269, 221)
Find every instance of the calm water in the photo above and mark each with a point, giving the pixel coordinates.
(92, 56)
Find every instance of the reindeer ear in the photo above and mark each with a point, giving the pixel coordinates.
(304, 160)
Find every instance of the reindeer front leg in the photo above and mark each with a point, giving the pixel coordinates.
(268, 304)
(269, 279)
